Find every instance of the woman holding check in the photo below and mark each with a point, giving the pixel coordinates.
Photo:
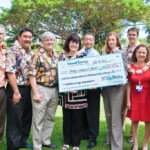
(72, 102)
(113, 98)
(138, 89)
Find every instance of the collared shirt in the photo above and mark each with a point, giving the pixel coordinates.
(130, 51)
(18, 63)
(2, 70)
(44, 67)
(91, 52)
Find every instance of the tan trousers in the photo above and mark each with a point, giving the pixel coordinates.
(124, 111)
(113, 98)
(43, 116)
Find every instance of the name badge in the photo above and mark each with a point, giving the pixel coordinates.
(139, 88)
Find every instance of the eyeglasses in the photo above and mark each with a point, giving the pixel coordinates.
(51, 40)
(1, 33)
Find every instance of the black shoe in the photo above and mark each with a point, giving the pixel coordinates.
(50, 146)
(85, 137)
(27, 146)
(92, 144)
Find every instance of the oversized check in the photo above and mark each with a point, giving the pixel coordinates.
(91, 72)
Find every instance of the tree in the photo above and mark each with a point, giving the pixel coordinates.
(63, 17)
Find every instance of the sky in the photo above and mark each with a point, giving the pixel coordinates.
(142, 35)
(5, 3)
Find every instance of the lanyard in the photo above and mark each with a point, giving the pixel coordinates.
(139, 77)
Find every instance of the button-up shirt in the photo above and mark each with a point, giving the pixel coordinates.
(2, 69)
(130, 51)
(44, 67)
(17, 63)
(91, 52)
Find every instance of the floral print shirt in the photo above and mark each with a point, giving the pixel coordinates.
(17, 62)
(2, 67)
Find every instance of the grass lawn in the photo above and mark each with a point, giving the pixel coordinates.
(57, 136)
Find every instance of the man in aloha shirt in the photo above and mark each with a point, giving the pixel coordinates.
(43, 80)
(132, 34)
(2, 82)
(19, 108)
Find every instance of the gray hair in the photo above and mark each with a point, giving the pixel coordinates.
(47, 34)
(88, 33)
(3, 28)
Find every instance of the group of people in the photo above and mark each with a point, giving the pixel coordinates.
(32, 93)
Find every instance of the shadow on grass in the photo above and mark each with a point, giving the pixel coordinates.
(57, 137)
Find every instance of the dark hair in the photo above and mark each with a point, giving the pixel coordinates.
(135, 30)
(72, 37)
(24, 30)
(134, 59)
(88, 33)
(118, 44)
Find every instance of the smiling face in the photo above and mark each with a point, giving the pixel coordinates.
(2, 35)
(48, 43)
(132, 37)
(141, 54)
(73, 46)
(112, 41)
(25, 39)
(88, 41)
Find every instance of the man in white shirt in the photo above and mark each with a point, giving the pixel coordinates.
(91, 118)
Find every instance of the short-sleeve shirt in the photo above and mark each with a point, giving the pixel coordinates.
(17, 63)
(2, 68)
(44, 67)
(130, 52)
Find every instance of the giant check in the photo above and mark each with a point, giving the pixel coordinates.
(91, 72)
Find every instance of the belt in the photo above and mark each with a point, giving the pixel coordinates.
(53, 86)
(2, 87)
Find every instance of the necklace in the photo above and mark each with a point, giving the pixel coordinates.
(138, 71)
(114, 50)
(51, 62)
(3, 60)
(79, 53)
(26, 56)
(26, 59)
(130, 51)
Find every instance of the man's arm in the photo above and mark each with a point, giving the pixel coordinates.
(13, 84)
(36, 95)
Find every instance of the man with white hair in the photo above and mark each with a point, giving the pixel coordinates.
(43, 80)
(2, 83)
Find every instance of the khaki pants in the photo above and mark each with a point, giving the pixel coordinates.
(43, 116)
(124, 111)
(113, 98)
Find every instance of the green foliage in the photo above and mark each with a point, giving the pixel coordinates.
(63, 17)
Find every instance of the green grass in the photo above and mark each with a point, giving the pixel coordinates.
(57, 136)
